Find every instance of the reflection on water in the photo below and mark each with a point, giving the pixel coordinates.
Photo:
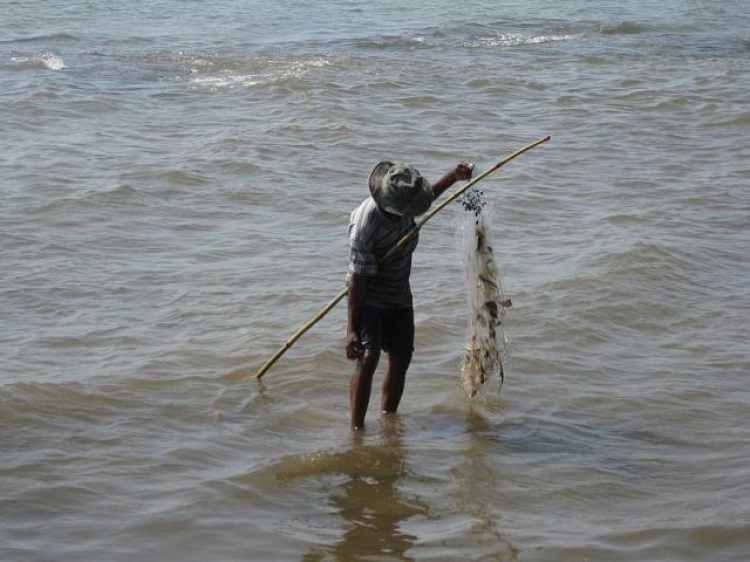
(478, 493)
(372, 505)
(381, 520)
(370, 502)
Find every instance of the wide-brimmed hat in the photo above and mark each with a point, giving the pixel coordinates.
(400, 189)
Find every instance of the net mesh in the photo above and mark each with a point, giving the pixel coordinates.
(486, 345)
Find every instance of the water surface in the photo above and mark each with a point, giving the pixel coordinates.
(176, 182)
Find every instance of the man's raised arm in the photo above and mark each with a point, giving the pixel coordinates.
(462, 171)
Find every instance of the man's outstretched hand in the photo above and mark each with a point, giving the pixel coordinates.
(464, 170)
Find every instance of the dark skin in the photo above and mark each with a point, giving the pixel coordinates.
(367, 360)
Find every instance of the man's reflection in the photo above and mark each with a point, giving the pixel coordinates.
(370, 501)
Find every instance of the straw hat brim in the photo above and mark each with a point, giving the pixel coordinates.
(418, 202)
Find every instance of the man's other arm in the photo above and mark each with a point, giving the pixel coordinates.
(355, 305)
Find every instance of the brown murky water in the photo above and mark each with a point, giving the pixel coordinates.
(176, 187)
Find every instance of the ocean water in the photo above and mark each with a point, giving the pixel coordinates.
(176, 179)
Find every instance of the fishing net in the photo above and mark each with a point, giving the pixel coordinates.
(485, 348)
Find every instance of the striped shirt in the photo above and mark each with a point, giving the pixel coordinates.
(372, 234)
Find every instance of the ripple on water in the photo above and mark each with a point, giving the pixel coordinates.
(623, 28)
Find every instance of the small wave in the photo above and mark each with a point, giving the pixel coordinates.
(737, 120)
(47, 60)
(181, 177)
(205, 74)
(420, 101)
(396, 42)
(45, 38)
(28, 399)
(631, 82)
(238, 375)
(480, 83)
(676, 102)
(373, 461)
(593, 60)
(622, 218)
(53, 62)
(216, 72)
(122, 194)
(515, 40)
(123, 190)
(226, 80)
(649, 261)
(624, 28)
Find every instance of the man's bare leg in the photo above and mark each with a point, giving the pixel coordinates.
(360, 385)
(393, 383)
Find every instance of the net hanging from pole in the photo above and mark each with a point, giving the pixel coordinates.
(486, 341)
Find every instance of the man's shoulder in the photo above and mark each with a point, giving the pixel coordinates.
(367, 207)
(366, 215)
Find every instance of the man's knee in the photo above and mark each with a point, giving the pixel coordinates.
(370, 358)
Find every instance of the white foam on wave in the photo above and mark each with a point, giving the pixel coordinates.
(48, 60)
(320, 63)
(204, 75)
(395, 41)
(53, 62)
(226, 80)
(515, 40)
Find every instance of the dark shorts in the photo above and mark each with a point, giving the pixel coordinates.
(390, 329)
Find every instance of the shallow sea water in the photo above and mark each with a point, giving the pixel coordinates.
(176, 181)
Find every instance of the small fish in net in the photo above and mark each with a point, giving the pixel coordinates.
(485, 349)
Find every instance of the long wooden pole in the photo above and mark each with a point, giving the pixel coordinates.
(404, 239)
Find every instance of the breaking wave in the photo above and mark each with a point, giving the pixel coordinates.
(516, 39)
(46, 60)
(404, 42)
(215, 75)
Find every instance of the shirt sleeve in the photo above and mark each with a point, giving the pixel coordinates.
(362, 260)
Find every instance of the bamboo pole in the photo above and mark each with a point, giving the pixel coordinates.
(404, 239)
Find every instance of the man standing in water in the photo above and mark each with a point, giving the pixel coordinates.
(380, 313)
